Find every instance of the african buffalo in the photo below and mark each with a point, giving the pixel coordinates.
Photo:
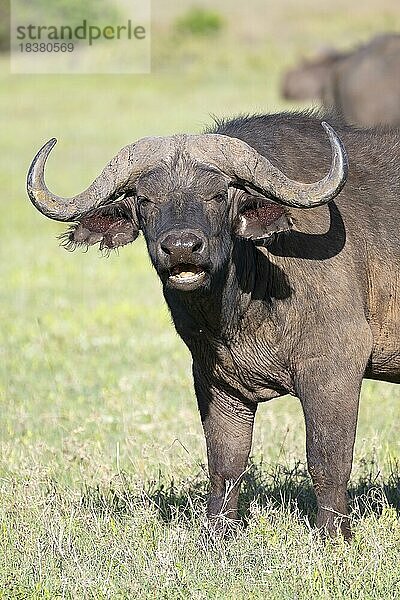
(308, 80)
(275, 288)
(363, 86)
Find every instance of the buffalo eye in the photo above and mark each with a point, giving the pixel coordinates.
(143, 201)
(220, 196)
(143, 205)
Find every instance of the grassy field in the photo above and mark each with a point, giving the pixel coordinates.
(102, 456)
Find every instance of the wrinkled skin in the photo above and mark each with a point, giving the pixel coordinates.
(309, 309)
(196, 201)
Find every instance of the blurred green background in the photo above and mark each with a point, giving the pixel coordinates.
(95, 386)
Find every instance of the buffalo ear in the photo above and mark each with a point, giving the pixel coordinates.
(111, 226)
(261, 219)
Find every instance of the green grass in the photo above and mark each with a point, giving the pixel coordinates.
(102, 455)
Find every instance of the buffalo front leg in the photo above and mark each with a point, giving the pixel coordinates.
(330, 408)
(228, 427)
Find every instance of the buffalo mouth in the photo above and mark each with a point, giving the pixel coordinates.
(186, 276)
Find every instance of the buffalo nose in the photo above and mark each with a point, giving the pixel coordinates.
(180, 245)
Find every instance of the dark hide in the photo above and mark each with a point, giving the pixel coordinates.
(301, 302)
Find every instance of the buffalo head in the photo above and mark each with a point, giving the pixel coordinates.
(190, 195)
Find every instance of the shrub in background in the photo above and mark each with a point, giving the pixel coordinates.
(4, 25)
(199, 21)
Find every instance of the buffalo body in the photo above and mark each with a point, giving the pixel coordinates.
(273, 295)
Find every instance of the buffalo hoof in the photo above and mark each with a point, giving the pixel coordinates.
(334, 528)
(221, 527)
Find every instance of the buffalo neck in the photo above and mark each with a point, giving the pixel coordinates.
(246, 287)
